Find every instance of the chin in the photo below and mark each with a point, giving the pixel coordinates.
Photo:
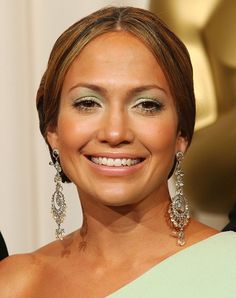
(118, 204)
(118, 200)
(121, 207)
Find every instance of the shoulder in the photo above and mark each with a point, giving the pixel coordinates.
(216, 253)
(216, 259)
(196, 232)
(23, 275)
(19, 274)
(59, 248)
(224, 242)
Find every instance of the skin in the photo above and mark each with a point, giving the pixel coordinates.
(125, 207)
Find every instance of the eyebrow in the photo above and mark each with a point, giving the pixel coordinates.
(103, 91)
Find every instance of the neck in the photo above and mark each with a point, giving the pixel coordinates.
(132, 229)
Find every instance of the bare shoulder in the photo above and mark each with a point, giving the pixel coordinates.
(198, 231)
(24, 275)
(59, 248)
(19, 274)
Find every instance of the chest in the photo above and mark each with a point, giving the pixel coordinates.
(86, 282)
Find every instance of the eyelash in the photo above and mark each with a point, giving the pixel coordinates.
(149, 106)
(86, 104)
(144, 106)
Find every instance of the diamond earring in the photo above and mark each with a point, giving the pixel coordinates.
(179, 209)
(58, 204)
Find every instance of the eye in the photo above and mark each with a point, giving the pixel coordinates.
(86, 103)
(149, 106)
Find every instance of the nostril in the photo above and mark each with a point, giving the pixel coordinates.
(115, 133)
(125, 142)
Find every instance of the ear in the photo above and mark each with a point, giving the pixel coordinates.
(52, 137)
(182, 143)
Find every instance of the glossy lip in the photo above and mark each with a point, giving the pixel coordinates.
(115, 171)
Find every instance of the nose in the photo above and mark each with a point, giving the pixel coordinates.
(115, 128)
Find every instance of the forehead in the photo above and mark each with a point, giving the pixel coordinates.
(113, 56)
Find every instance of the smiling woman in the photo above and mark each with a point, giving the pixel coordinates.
(117, 110)
(113, 93)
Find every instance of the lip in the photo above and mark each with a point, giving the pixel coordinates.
(118, 170)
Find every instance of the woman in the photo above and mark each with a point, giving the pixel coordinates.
(116, 107)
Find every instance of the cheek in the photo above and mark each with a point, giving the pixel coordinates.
(73, 133)
(158, 135)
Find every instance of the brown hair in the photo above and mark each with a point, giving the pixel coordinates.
(169, 51)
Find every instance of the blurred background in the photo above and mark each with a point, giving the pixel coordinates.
(29, 29)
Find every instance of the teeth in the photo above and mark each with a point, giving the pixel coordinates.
(123, 162)
(115, 162)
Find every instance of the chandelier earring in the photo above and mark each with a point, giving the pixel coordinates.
(179, 209)
(58, 204)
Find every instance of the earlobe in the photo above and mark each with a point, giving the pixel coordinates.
(182, 144)
(52, 137)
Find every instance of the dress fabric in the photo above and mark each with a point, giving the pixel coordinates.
(204, 270)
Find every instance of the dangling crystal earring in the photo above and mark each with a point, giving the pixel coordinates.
(58, 204)
(179, 210)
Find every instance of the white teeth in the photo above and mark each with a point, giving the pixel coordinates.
(115, 162)
(104, 161)
(128, 162)
(123, 162)
(109, 162)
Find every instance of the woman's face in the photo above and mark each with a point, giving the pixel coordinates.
(117, 125)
